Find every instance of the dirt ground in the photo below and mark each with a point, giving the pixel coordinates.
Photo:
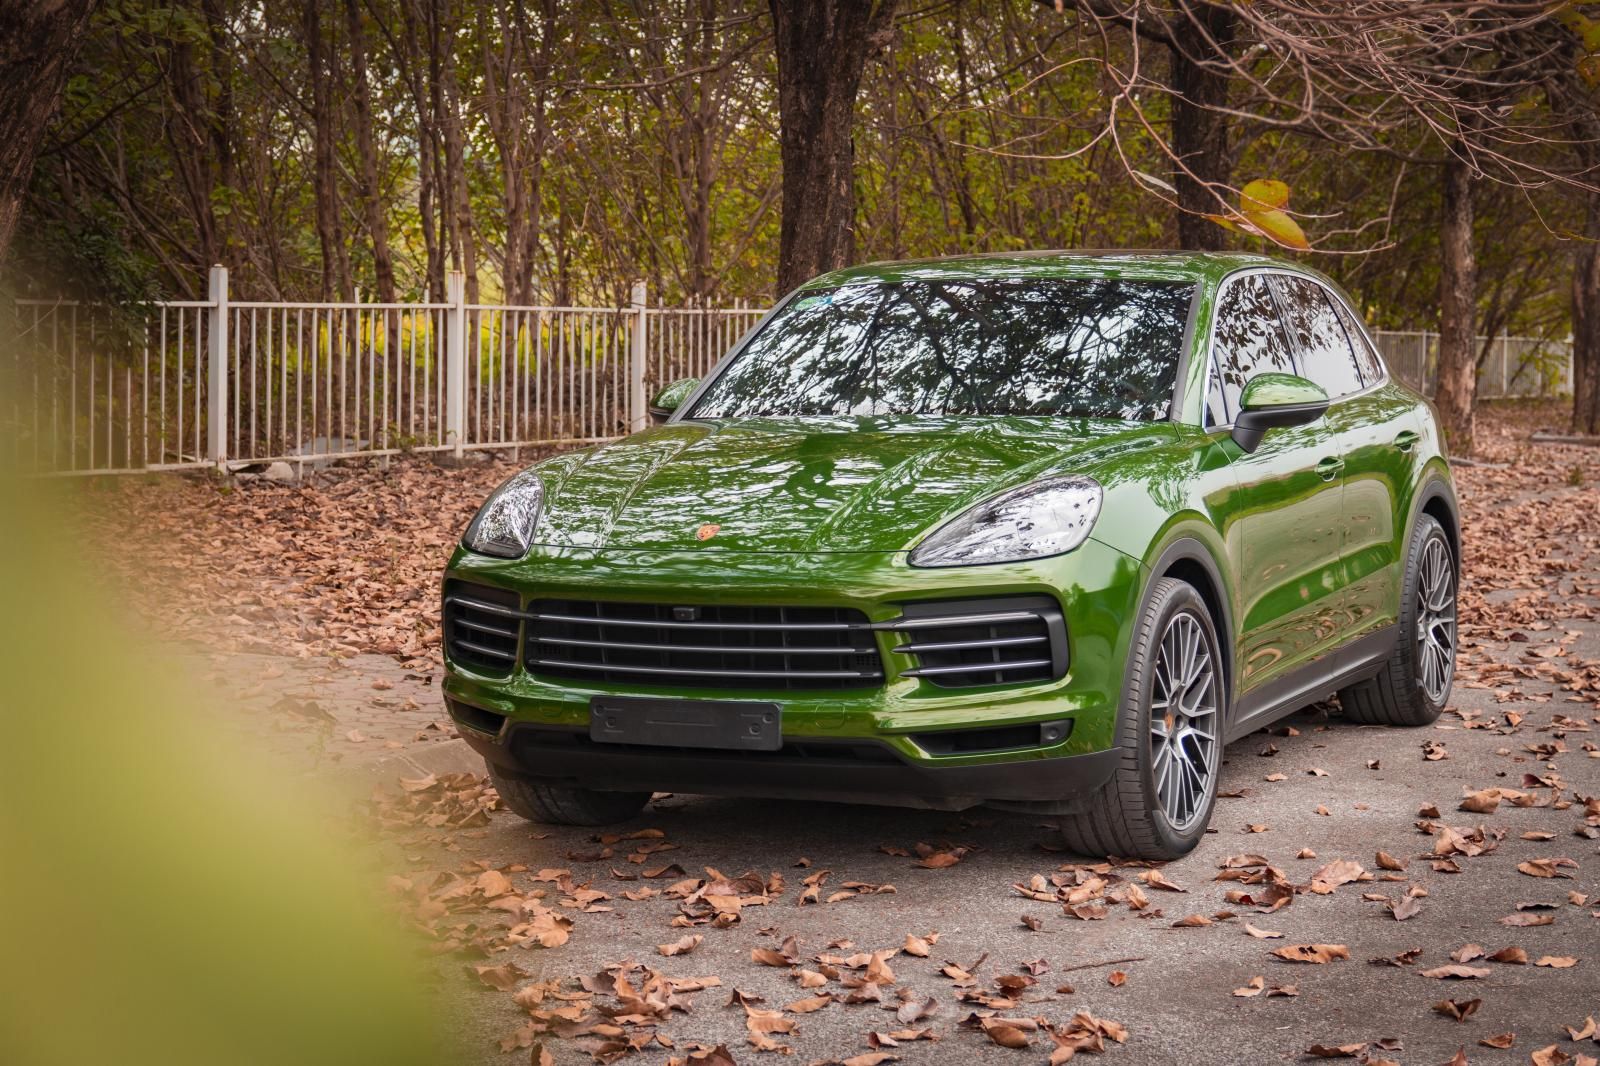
(864, 935)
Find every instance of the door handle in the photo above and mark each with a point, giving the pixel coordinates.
(1407, 439)
(1329, 468)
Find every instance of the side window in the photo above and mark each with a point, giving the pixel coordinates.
(1326, 355)
(1366, 356)
(1248, 338)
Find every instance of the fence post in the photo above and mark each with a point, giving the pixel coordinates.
(1505, 363)
(638, 403)
(217, 368)
(455, 362)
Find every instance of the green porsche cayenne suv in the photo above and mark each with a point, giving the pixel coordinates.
(1041, 532)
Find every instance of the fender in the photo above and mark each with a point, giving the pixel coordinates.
(1437, 486)
(1180, 546)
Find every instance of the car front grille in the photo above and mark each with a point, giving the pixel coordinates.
(966, 643)
(718, 646)
(481, 627)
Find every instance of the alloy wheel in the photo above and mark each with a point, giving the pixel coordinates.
(1184, 720)
(1436, 620)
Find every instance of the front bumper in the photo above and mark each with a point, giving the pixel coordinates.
(838, 770)
(866, 743)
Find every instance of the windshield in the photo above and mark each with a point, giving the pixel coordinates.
(1093, 348)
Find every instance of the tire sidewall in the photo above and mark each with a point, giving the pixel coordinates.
(1428, 529)
(1168, 598)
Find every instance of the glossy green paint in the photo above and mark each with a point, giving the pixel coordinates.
(825, 511)
(1266, 391)
(671, 398)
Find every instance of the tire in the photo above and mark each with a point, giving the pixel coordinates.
(1131, 816)
(1414, 685)
(550, 804)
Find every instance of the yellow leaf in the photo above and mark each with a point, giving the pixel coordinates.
(1263, 194)
(1279, 227)
(1225, 222)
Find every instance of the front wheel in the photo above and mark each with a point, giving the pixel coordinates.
(1415, 683)
(1169, 729)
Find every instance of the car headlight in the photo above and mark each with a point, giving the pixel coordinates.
(504, 525)
(1040, 519)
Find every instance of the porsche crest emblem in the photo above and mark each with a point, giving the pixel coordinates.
(707, 531)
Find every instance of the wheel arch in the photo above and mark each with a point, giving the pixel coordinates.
(1191, 560)
(1437, 499)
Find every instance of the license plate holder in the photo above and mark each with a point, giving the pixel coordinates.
(679, 723)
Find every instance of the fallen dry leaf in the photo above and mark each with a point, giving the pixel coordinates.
(1313, 953)
(1336, 1051)
(682, 946)
(1553, 867)
(807, 1006)
(1459, 1009)
(503, 977)
(1334, 874)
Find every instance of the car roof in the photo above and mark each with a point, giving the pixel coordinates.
(1148, 264)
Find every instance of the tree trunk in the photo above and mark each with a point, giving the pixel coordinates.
(187, 129)
(367, 148)
(414, 48)
(1586, 323)
(1457, 389)
(38, 40)
(822, 48)
(1200, 128)
(515, 100)
(463, 250)
(330, 233)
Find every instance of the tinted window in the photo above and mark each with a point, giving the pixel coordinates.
(1325, 353)
(1366, 355)
(1249, 338)
(1089, 348)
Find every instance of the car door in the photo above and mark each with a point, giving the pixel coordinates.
(1377, 426)
(1284, 532)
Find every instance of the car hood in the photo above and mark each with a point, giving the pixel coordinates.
(813, 484)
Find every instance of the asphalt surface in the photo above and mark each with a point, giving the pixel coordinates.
(1177, 1000)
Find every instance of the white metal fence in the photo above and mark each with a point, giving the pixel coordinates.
(216, 382)
(1508, 367)
(220, 382)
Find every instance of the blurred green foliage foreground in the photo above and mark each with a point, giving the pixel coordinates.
(168, 897)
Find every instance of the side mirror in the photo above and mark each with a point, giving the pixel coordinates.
(671, 398)
(1276, 401)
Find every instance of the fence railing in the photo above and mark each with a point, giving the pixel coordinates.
(221, 382)
(1508, 367)
(213, 382)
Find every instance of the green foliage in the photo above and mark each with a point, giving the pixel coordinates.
(638, 141)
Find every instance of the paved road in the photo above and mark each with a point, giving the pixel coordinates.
(1176, 1001)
